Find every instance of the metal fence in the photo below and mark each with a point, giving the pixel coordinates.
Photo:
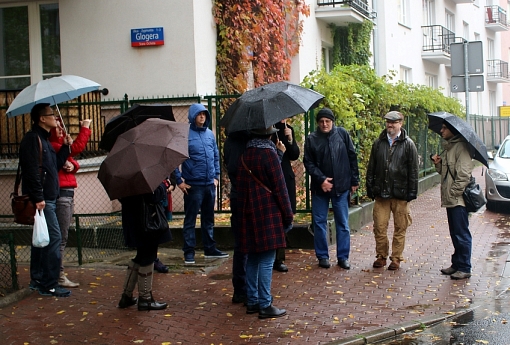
(96, 230)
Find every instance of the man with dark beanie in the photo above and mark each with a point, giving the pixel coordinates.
(455, 166)
(332, 163)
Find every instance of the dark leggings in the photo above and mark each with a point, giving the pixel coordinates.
(146, 255)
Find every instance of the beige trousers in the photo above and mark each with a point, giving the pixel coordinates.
(401, 220)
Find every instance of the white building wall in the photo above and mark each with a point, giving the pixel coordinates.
(96, 44)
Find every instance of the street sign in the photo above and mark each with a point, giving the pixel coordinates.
(475, 84)
(475, 58)
(147, 37)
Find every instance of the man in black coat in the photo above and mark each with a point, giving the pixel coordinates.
(40, 182)
(286, 136)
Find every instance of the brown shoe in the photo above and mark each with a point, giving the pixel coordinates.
(380, 262)
(394, 265)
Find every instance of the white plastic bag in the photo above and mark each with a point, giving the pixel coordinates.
(40, 236)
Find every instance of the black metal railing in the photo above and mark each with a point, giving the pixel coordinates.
(497, 69)
(437, 38)
(359, 5)
(495, 14)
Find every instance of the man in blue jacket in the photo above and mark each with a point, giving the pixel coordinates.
(40, 182)
(198, 181)
(332, 163)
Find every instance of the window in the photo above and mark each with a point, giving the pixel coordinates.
(327, 59)
(490, 49)
(405, 74)
(431, 80)
(403, 12)
(465, 29)
(449, 21)
(23, 31)
(428, 12)
(492, 104)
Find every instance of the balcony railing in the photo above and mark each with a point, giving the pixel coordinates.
(497, 70)
(496, 18)
(359, 5)
(437, 38)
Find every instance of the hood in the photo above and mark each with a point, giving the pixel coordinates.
(447, 144)
(193, 111)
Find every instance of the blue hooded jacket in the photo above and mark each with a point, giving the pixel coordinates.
(203, 164)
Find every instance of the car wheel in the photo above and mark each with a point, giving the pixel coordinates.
(491, 206)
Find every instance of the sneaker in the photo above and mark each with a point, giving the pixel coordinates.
(34, 286)
(460, 275)
(215, 254)
(56, 292)
(189, 258)
(158, 266)
(448, 271)
(324, 263)
(380, 262)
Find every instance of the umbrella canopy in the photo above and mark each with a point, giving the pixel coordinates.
(143, 157)
(131, 118)
(53, 91)
(264, 106)
(477, 148)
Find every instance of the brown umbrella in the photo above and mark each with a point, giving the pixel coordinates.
(143, 157)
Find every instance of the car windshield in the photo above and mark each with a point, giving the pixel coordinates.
(504, 151)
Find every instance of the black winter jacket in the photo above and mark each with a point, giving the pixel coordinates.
(331, 155)
(44, 185)
(393, 173)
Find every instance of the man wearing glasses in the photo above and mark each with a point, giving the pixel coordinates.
(392, 180)
(39, 166)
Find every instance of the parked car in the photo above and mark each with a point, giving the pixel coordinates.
(497, 182)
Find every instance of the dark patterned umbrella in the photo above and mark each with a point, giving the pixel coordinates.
(477, 148)
(266, 105)
(143, 157)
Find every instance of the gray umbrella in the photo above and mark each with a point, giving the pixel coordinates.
(266, 105)
(478, 149)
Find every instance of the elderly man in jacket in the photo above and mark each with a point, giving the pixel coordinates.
(332, 163)
(392, 180)
(201, 173)
(455, 166)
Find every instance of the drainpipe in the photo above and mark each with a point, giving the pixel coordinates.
(375, 39)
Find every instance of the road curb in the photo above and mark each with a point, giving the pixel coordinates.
(14, 297)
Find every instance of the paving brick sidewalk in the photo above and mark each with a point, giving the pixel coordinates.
(324, 306)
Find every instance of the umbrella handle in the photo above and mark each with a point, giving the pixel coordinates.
(61, 120)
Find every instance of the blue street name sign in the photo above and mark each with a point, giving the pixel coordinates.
(147, 37)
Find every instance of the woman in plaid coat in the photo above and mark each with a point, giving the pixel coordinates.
(265, 213)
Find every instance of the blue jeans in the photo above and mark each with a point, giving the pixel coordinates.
(320, 207)
(45, 262)
(199, 198)
(458, 222)
(259, 274)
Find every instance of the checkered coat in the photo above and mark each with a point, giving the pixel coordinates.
(263, 215)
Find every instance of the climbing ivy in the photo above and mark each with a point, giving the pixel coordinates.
(256, 38)
(352, 43)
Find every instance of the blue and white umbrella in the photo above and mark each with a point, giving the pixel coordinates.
(53, 91)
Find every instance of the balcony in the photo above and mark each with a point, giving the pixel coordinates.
(497, 71)
(436, 44)
(495, 18)
(463, 1)
(342, 12)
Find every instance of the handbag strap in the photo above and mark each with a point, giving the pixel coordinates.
(18, 174)
(254, 177)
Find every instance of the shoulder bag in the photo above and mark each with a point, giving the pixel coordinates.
(154, 217)
(473, 194)
(255, 177)
(22, 207)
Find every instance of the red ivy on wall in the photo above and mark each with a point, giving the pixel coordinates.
(256, 41)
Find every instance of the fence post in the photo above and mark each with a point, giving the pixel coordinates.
(78, 237)
(12, 251)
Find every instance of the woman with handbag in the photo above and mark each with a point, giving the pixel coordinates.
(144, 226)
(264, 214)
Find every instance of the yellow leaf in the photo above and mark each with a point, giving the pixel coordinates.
(69, 324)
(244, 336)
(229, 315)
(202, 303)
(94, 284)
(93, 302)
(166, 343)
(99, 314)
(83, 319)
(61, 312)
(482, 341)
(288, 331)
(351, 316)
(168, 315)
(137, 341)
(85, 313)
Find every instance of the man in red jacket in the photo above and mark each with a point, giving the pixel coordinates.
(67, 180)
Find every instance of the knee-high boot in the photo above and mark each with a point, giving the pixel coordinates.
(127, 298)
(145, 299)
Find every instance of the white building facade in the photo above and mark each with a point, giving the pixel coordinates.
(411, 39)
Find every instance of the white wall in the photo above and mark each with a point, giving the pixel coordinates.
(96, 44)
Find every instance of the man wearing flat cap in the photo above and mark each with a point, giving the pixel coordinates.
(331, 161)
(392, 180)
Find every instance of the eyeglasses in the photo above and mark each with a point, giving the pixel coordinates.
(52, 114)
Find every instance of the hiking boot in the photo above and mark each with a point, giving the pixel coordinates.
(394, 265)
(448, 271)
(56, 292)
(460, 275)
(324, 263)
(380, 262)
(158, 266)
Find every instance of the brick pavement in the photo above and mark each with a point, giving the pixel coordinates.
(324, 306)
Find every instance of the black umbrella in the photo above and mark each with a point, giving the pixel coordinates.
(477, 148)
(266, 105)
(132, 117)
